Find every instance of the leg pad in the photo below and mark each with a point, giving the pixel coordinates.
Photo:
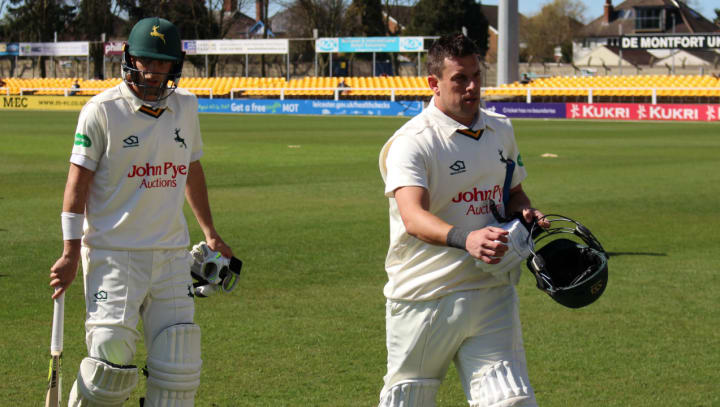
(174, 367)
(498, 385)
(411, 393)
(101, 383)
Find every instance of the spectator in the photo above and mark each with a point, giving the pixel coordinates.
(75, 87)
(343, 85)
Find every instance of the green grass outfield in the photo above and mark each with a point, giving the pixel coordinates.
(300, 200)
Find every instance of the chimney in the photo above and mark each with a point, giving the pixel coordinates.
(259, 10)
(608, 12)
(229, 6)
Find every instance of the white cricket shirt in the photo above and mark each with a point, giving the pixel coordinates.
(140, 156)
(462, 169)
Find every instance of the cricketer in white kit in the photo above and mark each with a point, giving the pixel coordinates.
(441, 170)
(134, 161)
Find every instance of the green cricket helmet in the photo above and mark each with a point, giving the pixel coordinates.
(572, 269)
(153, 38)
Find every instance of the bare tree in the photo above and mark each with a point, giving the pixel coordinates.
(327, 16)
(555, 25)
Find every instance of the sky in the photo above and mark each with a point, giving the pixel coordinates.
(594, 8)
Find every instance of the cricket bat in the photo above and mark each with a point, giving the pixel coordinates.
(54, 392)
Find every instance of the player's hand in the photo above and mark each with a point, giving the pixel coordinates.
(215, 243)
(530, 214)
(63, 272)
(487, 245)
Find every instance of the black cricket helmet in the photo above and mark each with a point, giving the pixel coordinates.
(572, 269)
(153, 38)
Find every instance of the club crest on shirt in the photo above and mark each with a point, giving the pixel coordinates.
(506, 161)
(502, 158)
(180, 139)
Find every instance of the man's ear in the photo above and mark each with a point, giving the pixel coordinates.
(433, 83)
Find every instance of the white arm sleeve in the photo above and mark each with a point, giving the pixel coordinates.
(90, 137)
(406, 165)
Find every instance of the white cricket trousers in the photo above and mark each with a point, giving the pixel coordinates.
(478, 330)
(123, 286)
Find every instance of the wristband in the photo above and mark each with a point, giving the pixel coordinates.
(457, 237)
(72, 225)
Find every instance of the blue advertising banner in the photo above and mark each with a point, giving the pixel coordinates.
(529, 110)
(369, 44)
(9, 48)
(311, 107)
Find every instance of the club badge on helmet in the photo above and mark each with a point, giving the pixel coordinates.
(153, 38)
(572, 269)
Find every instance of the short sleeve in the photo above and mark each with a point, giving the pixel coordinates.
(406, 165)
(90, 136)
(197, 146)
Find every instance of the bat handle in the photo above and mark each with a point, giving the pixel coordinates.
(56, 341)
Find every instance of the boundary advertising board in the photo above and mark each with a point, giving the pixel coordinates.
(385, 108)
(311, 107)
(608, 111)
(74, 103)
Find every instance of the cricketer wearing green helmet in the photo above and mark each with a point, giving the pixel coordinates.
(135, 162)
(153, 58)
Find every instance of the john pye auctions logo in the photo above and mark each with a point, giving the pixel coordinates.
(478, 199)
(165, 169)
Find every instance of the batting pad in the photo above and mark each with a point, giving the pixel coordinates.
(415, 393)
(174, 367)
(519, 244)
(499, 385)
(102, 384)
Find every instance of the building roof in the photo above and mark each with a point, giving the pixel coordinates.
(609, 57)
(401, 14)
(491, 14)
(238, 24)
(692, 57)
(634, 56)
(622, 19)
(280, 22)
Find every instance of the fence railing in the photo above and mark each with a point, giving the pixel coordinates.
(76, 91)
(210, 94)
(336, 92)
(66, 91)
(489, 93)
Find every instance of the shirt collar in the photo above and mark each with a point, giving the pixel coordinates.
(450, 126)
(137, 103)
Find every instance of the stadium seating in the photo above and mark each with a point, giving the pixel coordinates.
(614, 86)
(253, 87)
(666, 86)
(57, 86)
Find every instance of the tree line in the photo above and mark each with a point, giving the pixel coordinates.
(556, 24)
(93, 20)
